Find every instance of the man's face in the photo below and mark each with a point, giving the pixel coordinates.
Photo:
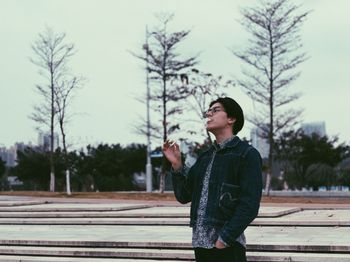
(217, 118)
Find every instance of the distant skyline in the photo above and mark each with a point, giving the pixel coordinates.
(103, 32)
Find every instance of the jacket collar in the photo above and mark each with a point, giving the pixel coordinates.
(228, 143)
(234, 142)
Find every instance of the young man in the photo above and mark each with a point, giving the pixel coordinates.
(224, 186)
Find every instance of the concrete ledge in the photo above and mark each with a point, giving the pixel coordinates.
(305, 223)
(277, 212)
(163, 254)
(100, 252)
(86, 214)
(331, 194)
(87, 221)
(21, 203)
(252, 257)
(66, 208)
(172, 246)
(20, 258)
(97, 244)
(131, 211)
(141, 221)
(296, 257)
(300, 248)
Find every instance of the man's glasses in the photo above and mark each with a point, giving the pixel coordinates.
(212, 111)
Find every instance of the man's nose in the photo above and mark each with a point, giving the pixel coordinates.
(207, 113)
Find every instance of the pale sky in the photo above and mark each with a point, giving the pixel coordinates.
(103, 32)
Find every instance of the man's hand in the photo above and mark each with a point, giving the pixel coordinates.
(219, 244)
(172, 152)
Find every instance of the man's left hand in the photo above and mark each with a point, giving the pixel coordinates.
(219, 244)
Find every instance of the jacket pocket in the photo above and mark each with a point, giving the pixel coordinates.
(229, 196)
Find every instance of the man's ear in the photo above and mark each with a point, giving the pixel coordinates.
(231, 120)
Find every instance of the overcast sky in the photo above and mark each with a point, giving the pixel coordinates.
(103, 32)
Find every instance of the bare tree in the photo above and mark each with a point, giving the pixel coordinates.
(65, 89)
(202, 88)
(271, 57)
(164, 65)
(51, 55)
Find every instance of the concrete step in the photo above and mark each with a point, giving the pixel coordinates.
(23, 253)
(301, 223)
(33, 258)
(91, 214)
(98, 252)
(296, 257)
(172, 246)
(21, 203)
(40, 207)
(94, 221)
(105, 219)
(135, 214)
(321, 239)
(130, 210)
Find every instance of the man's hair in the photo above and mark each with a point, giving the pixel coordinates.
(232, 109)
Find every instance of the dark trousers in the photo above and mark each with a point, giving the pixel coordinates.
(235, 253)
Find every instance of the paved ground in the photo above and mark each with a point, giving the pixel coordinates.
(88, 230)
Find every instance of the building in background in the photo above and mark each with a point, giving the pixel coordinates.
(259, 142)
(44, 141)
(263, 147)
(9, 155)
(318, 128)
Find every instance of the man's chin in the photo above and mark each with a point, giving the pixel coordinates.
(210, 129)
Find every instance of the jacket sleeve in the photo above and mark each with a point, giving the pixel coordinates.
(183, 185)
(250, 181)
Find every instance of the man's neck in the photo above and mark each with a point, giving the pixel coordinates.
(222, 137)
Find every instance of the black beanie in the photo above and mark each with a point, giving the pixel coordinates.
(232, 109)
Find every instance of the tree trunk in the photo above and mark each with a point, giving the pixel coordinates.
(52, 181)
(165, 137)
(52, 165)
(271, 126)
(68, 182)
(65, 152)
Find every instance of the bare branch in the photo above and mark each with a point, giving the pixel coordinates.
(51, 55)
(272, 55)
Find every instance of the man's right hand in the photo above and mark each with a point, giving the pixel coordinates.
(172, 152)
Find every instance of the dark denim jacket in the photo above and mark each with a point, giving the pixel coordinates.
(235, 188)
